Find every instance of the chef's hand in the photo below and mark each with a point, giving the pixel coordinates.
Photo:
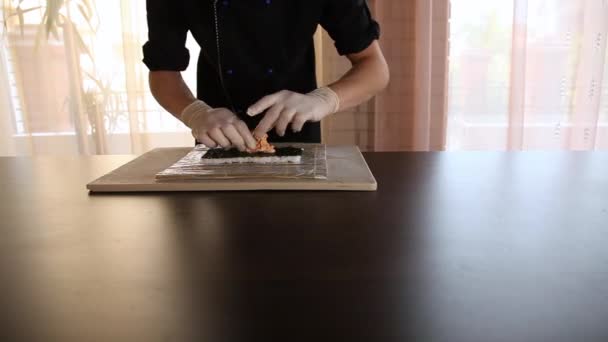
(217, 127)
(287, 107)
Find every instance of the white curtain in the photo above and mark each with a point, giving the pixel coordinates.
(528, 74)
(81, 89)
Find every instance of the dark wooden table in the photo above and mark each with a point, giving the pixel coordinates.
(453, 247)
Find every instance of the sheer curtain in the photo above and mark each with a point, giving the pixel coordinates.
(81, 88)
(528, 74)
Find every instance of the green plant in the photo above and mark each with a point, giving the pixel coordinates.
(75, 19)
(56, 13)
(102, 100)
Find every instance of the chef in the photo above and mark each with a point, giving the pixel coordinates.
(256, 69)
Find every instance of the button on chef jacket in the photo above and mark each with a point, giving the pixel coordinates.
(264, 46)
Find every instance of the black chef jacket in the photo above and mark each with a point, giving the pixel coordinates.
(264, 46)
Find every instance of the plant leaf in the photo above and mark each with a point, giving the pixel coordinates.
(19, 12)
(30, 9)
(87, 16)
(84, 13)
(80, 42)
(39, 31)
(21, 21)
(94, 79)
(52, 9)
(88, 6)
(55, 33)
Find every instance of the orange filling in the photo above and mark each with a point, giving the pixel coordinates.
(263, 145)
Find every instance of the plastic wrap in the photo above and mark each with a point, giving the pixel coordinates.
(313, 165)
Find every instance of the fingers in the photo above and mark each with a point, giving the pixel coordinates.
(206, 140)
(234, 136)
(264, 103)
(266, 124)
(218, 136)
(221, 127)
(242, 128)
(284, 120)
(298, 122)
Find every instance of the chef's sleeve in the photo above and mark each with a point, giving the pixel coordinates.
(167, 31)
(350, 24)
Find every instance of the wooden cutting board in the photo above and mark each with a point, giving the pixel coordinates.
(347, 171)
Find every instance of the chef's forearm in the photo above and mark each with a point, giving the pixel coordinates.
(170, 90)
(368, 76)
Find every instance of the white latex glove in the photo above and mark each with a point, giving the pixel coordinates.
(287, 107)
(217, 127)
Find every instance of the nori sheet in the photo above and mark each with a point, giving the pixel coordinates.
(220, 153)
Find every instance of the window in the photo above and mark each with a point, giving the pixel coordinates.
(481, 63)
(40, 74)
